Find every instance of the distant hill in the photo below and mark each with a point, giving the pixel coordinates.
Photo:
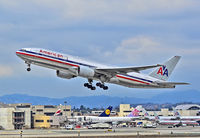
(104, 101)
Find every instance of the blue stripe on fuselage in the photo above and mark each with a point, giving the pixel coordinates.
(137, 78)
(59, 58)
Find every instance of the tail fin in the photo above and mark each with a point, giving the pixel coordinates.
(107, 112)
(145, 113)
(165, 71)
(57, 113)
(134, 113)
(176, 113)
(156, 116)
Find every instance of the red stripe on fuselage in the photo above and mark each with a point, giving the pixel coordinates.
(47, 59)
(132, 79)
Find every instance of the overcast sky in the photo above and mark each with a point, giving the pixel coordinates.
(112, 32)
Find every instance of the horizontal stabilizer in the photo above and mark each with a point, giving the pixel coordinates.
(172, 83)
(126, 69)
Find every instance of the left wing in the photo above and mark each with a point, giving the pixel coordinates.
(125, 69)
(173, 83)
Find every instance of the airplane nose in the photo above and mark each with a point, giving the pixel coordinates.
(17, 52)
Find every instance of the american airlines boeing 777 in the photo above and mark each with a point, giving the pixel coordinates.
(68, 67)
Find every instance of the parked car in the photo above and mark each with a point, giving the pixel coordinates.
(70, 127)
(1, 128)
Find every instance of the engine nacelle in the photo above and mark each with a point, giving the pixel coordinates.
(86, 72)
(64, 75)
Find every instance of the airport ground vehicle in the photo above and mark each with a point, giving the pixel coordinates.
(70, 127)
(149, 125)
(100, 126)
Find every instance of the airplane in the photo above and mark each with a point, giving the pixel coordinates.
(114, 120)
(105, 113)
(156, 117)
(176, 116)
(178, 123)
(69, 67)
(187, 118)
(174, 121)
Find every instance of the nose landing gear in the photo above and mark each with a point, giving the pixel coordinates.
(29, 66)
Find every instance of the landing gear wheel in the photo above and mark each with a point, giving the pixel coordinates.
(28, 69)
(105, 87)
(93, 88)
(86, 84)
(98, 84)
(90, 86)
(101, 85)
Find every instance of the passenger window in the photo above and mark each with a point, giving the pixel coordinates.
(23, 50)
(65, 58)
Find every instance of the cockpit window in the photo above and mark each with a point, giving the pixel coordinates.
(23, 50)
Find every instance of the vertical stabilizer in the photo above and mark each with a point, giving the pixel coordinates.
(165, 71)
(156, 116)
(107, 112)
(176, 113)
(134, 113)
(57, 113)
(145, 113)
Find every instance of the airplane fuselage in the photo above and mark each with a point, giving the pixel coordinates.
(96, 119)
(176, 122)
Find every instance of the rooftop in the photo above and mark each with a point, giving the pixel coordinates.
(188, 107)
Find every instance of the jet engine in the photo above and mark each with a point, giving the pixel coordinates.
(64, 75)
(86, 72)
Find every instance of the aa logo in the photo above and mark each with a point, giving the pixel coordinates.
(107, 111)
(163, 71)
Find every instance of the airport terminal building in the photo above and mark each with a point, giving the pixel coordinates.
(26, 116)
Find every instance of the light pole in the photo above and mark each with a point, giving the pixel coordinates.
(65, 102)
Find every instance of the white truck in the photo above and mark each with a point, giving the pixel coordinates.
(70, 127)
(100, 126)
(149, 125)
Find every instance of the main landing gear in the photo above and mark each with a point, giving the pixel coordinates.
(101, 85)
(90, 86)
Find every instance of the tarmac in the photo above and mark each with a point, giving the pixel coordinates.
(163, 132)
